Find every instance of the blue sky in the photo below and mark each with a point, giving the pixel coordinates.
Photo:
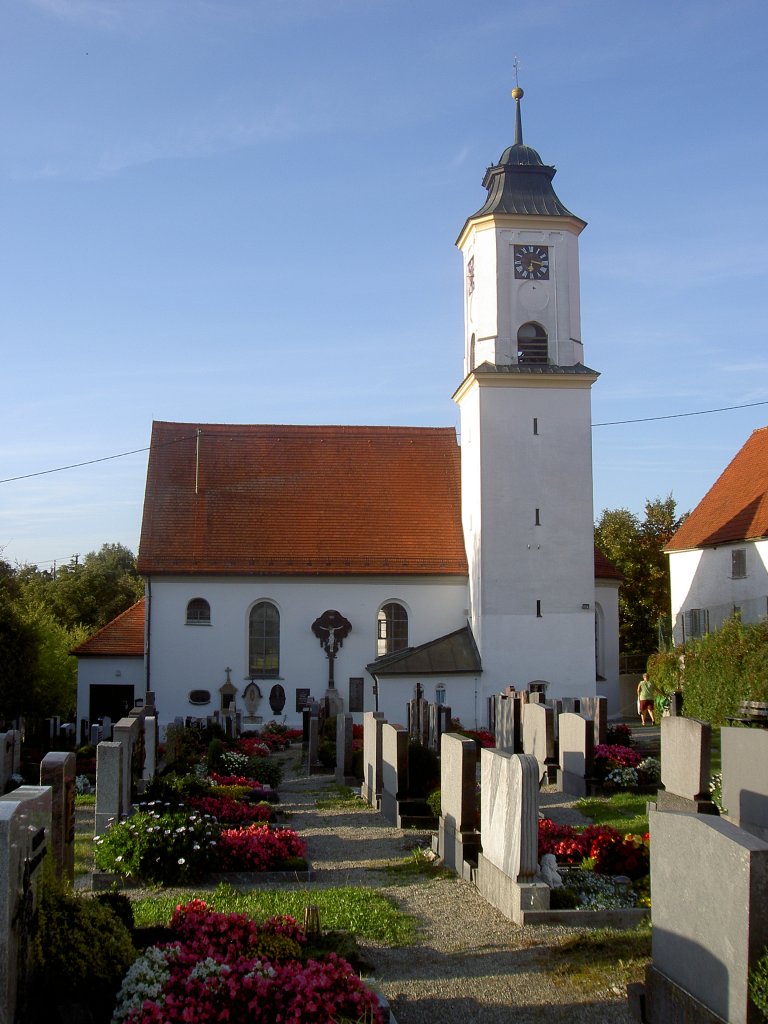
(241, 211)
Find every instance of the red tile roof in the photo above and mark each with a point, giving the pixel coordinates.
(123, 636)
(604, 567)
(736, 507)
(298, 500)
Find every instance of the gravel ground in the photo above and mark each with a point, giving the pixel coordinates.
(469, 962)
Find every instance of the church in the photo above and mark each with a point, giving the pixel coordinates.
(286, 564)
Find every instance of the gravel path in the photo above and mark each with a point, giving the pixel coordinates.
(469, 962)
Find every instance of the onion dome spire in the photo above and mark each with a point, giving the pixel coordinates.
(521, 183)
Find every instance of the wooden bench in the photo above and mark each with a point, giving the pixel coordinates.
(753, 713)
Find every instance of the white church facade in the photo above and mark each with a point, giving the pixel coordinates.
(295, 561)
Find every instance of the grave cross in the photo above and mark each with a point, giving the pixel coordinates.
(331, 628)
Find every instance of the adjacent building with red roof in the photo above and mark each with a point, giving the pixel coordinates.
(718, 558)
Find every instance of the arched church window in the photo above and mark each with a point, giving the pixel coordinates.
(264, 640)
(532, 344)
(392, 628)
(198, 612)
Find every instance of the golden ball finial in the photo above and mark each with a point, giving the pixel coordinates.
(517, 93)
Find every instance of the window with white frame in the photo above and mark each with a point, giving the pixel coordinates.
(392, 629)
(264, 640)
(198, 612)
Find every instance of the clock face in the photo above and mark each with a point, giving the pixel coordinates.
(532, 262)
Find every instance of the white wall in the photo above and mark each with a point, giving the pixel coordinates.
(91, 671)
(702, 578)
(183, 658)
(463, 694)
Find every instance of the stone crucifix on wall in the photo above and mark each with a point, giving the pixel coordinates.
(331, 629)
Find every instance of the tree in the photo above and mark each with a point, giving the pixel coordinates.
(18, 649)
(88, 593)
(636, 548)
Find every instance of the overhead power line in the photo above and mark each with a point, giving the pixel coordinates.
(679, 415)
(234, 432)
(91, 462)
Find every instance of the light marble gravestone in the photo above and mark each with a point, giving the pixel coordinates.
(57, 770)
(509, 829)
(313, 745)
(576, 754)
(685, 766)
(745, 778)
(109, 785)
(394, 770)
(508, 732)
(539, 735)
(458, 840)
(371, 788)
(25, 825)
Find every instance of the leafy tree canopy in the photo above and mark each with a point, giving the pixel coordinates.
(636, 548)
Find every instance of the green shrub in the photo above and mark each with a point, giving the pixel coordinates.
(433, 799)
(80, 952)
(119, 904)
(326, 755)
(356, 765)
(216, 750)
(563, 899)
(758, 984)
(265, 770)
(725, 667)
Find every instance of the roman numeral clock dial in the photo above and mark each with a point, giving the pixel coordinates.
(532, 262)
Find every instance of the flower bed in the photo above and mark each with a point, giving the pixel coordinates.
(226, 967)
(607, 850)
(227, 809)
(168, 846)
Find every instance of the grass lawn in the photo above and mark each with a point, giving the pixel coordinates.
(365, 913)
(623, 811)
(84, 838)
(603, 959)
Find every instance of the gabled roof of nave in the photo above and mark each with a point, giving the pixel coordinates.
(302, 500)
(736, 506)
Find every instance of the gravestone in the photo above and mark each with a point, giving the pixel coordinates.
(418, 718)
(313, 765)
(150, 746)
(373, 722)
(539, 736)
(109, 785)
(710, 881)
(509, 823)
(128, 732)
(745, 778)
(97, 735)
(576, 754)
(57, 770)
(508, 733)
(685, 766)
(394, 771)
(439, 723)
(458, 839)
(571, 705)
(10, 757)
(25, 825)
(596, 708)
(344, 775)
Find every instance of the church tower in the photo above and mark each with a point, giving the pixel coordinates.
(526, 444)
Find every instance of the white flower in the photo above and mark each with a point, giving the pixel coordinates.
(181, 861)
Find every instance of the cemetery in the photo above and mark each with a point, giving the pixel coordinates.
(213, 817)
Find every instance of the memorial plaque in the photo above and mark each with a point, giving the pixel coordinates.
(356, 694)
(302, 699)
